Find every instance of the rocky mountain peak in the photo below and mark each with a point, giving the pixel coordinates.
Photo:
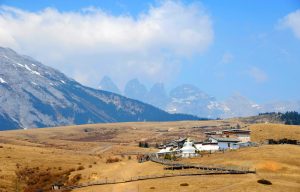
(136, 90)
(107, 84)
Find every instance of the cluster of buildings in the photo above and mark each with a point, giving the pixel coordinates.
(215, 141)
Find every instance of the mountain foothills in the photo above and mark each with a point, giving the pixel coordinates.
(34, 95)
(190, 99)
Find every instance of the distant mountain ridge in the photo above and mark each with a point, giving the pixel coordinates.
(190, 99)
(34, 95)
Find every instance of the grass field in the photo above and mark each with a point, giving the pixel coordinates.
(79, 153)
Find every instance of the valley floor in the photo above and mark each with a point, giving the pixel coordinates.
(79, 154)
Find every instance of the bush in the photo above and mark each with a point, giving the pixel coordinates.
(90, 166)
(75, 179)
(37, 179)
(264, 182)
(71, 170)
(152, 187)
(112, 160)
(168, 156)
(80, 168)
(129, 157)
(143, 144)
(184, 184)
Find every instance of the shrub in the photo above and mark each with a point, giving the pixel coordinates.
(129, 157)
(37, 179)
(264, 182)
(80, 168)
(112, 160)
(152, 187)
(71, 170)
(75, 179)
(90, 166)
(184, 184)
(168, 156)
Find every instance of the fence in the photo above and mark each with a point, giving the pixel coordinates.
(173, 165)
(139, 178)
(205, 170)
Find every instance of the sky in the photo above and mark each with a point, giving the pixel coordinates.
(223, 47)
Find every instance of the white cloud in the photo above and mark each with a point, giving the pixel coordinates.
(91, 43)
(257, 74)
(292, 21)
(226, 58)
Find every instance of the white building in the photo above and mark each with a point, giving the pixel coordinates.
(206, 146)
(188, 150)
(242, 135)
(225, 142)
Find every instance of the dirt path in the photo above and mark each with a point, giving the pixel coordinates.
(100, 149)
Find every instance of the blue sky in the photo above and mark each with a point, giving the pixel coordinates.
(247, 47)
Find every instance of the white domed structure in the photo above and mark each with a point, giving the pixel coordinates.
(188, 150)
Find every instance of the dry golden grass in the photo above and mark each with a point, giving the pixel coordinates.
(262, 132)
(270, 162)
(90, 146)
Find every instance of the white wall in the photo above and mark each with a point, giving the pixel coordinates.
(201, 147)
(187, 155)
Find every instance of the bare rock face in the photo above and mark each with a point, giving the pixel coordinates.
(190, 98)
(34, 95)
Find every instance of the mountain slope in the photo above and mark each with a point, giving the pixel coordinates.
(190, 98)
(34, 95)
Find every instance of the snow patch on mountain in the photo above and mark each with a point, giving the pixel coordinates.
(2, 80)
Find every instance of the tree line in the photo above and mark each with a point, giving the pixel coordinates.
(289, 118)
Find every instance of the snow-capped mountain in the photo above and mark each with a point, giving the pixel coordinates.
(239, 106)
(34, 95)
(190, 99)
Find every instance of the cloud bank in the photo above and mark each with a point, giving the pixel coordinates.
(91, 43)
(292, 21)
